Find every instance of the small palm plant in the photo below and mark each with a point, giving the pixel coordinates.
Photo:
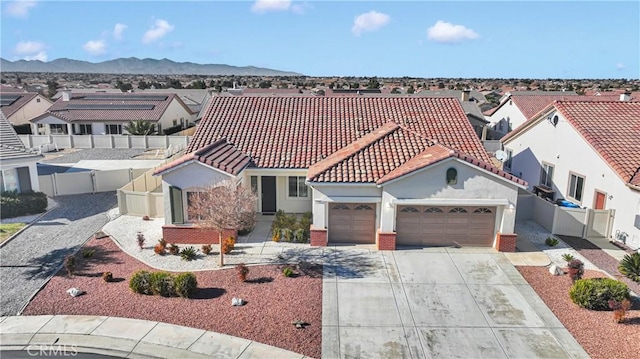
(630, 266)
(140, 127)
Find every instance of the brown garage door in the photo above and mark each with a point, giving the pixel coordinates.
(352, 223)
(445, 226)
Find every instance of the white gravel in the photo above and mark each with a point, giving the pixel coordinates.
(537, 235)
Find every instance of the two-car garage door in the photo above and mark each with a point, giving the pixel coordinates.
(445, 226)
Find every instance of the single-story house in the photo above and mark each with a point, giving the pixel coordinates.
(373, 170)
(20, 107)
(18, 169)
(587, 153)
(108, 113)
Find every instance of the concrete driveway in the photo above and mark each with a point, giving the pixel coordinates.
(435, 303)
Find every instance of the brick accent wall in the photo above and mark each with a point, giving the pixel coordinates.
(386, 241)
(318, 237)
(193, 235)
(506, 242)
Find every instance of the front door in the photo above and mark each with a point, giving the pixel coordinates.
(599, 201)
(268, 194)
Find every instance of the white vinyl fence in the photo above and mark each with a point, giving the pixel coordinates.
(575, 222)
(60, 184)
(104, 141)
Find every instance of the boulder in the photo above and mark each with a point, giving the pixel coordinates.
(555, 270)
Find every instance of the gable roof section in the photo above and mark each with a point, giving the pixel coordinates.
(388, 153)
(296, 132)
(11, 147)
(10, 103)
(113, 107)
(220, 154)
(530, 105)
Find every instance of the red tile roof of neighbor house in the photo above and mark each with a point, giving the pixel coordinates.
(612, 129)
(530, 104)
(296, 132)
(15, 101)
(220, 154)
(386, 153)
(113, 107)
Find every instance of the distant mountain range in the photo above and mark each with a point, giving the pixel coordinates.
(134, 65)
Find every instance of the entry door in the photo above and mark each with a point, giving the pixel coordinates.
(268, 194)
(599, 201)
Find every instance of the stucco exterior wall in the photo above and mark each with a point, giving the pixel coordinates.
(324, 195)
(30, 110)
(509, 113)
(283, 200)
(175, 111)
(564, 148)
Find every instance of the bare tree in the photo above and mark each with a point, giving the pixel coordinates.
(223, 206)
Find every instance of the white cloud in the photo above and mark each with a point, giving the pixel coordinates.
(446, 32)
(28, 47)
(42, 56)
(118, 30)
(95, 47)
(370, 21)
(157, 31)
(19, 8)
(262, 6)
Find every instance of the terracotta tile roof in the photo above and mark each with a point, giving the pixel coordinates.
(11, 147)
(612, 129)
(113, 107)
(296, 132)
(220, 154)
(14, 101)
(386, 153)
(530, 105)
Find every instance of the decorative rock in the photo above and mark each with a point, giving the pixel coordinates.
(555, 270)
(74, 292)
(237, 302)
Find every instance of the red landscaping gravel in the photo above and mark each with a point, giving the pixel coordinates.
(596, 331)
(273, 301)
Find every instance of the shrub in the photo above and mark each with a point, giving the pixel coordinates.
(185, 284)
(275, 234)
(228, 245)
(206, 249)
(70, 264)
(88, 253)
(16, 204)
(568, 257)
(140, 282)
(140, 238)
(107, 277)
(287, 234)
(576, 269)
(298, 235)
(287, 271)
(188, 253)
(630, 266)
(162, 242)
(174, 249)
(242, 271)
(162, 283)
(145, 218)
(551, 241)
(159, 249)
(595, 293)
(619, 309)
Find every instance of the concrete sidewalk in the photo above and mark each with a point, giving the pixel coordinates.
(122, 337)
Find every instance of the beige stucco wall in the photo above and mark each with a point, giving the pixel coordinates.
(175, 111)
(30, 110)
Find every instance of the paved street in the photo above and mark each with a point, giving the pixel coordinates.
(29, 259)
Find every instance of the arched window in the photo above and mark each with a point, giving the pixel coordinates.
(409, 210)
(457, 210)
(452, 176)
(482, 210)
(364, 207)
(433, 210)
(340, 206)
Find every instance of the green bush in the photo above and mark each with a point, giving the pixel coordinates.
(551, 241)
(595, 293)
(188, 253)
(287, 271)
(140, 282)
(162, 283)
(185, 284)
(630, 266)
(16, 204)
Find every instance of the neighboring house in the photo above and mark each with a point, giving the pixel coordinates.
(374, 170)
(18, 170)
(96, 114)
(585, 152)
(471, 101)
(516, 108)
(20, 107)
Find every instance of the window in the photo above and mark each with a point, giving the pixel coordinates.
(507, 163)
(433, 210)
(177, 209)
(113, 129)
(482, 210)
(363, 207)
(297, 188)
(576, 186)
(38, 100)
(546, 176)
(9, 180)
(159, 128)
(457, 210)
(452, 176)
(254, 184)
(409, 210)
(57, 128)
(85, 129)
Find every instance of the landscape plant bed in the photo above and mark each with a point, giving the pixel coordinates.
(273, 301)
(596, 331)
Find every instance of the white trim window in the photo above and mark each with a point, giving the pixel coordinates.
(297, 187)
(576, 186)
(113, 129)
(546, 176)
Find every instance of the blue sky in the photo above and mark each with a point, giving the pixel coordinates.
(505, 39)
